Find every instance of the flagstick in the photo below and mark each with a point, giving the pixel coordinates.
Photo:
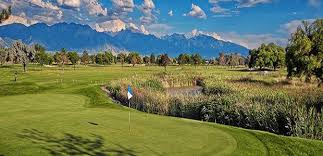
(129, 115)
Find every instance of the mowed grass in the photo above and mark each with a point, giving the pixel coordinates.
(51, 112)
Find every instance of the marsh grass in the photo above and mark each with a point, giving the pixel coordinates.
(263, 102)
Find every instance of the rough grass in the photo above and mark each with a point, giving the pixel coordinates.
(48, 112)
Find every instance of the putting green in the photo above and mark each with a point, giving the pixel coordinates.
(25, 118)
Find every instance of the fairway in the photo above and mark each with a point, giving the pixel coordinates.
(75, 117)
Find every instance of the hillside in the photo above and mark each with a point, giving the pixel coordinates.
(82, 37)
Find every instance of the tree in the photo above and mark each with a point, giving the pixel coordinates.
(253, 54)
(270, 56)
(164, 60)
(304, 53)
(73, 57)
(197, 59)
(85, 58)
(278, 56)
(22, 53)
(264, 57)
(108, 57)
(214, 61)
(39, 48)
(50, 59)
(233, 60)
(56, 57)
(62, 57)
(146, 60)
(121, 58)
(183, 59)
(93, 59)
(134, 58)
(41, 57)
(99, 58)
(152, 58)
(242, 60)
(222, 60)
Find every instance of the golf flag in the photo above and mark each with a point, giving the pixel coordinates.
(129, 92)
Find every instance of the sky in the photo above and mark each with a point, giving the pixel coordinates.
(246, 22)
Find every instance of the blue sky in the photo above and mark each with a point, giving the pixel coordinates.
(247, 22)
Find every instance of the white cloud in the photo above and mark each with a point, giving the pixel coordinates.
(133, 27)
(147, 10)
(218, 9)
(160, 26)
(213, 1)
(42, 4)
(47, 5)
(314, 3)
(252, 41)
(94, 8)
(19, 19)
(110, 26)
(3, 5)
(159, 29)
(45, 19)
(52, 9)
(30, 12)
(197, 12)
(251, 3)
(51, 12)
(222, 15)
(70, 3)
(241, 3)
(217, 1)
(291, 26)
(123, 5)
(148, 5)
(222, 12)
(170, 13)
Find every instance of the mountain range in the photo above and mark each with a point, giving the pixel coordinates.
(79, 37)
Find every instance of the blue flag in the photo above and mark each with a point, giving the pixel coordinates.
(130, 94)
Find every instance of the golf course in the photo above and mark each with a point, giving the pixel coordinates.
(50, 111)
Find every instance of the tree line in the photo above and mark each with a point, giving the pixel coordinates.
(24, 54)
(303, 55)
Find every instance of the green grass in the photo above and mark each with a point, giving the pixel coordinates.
(48, 112)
